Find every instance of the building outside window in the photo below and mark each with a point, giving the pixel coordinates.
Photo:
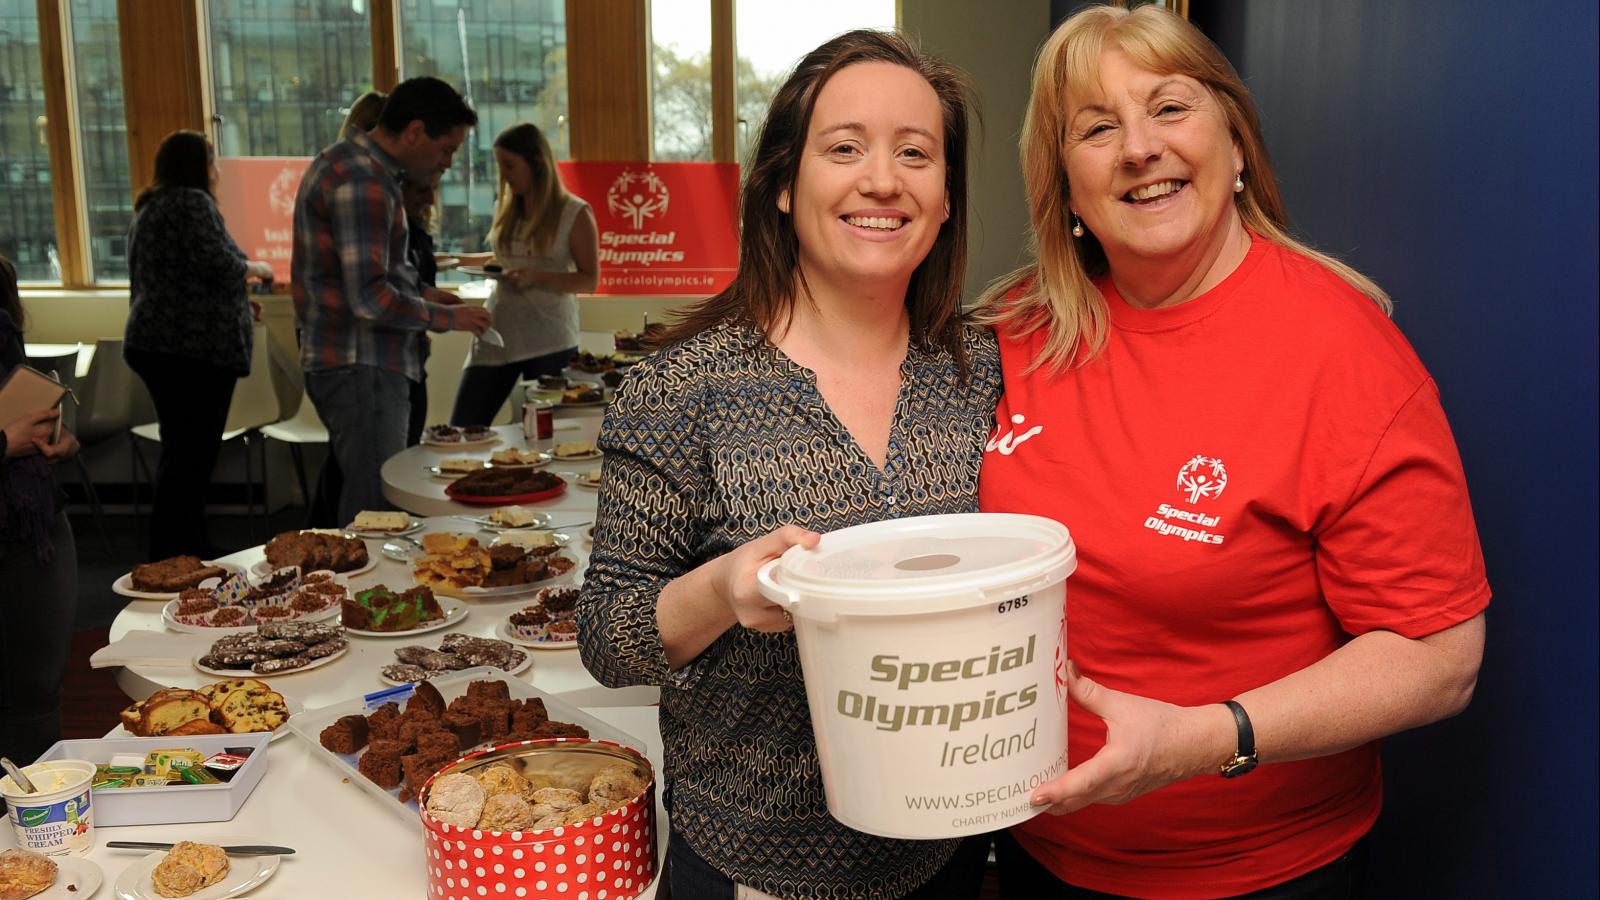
(284, 72)
(27, 218)
(102, 136)
(509, 58)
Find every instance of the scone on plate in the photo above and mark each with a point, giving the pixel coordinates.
(380, 520)
(187, 868)
(24, 873)
(572, 448)
(512, 516)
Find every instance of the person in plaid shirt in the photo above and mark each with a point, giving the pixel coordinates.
(358, 300)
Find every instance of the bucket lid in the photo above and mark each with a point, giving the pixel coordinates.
(920, 565)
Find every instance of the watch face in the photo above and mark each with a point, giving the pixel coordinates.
(1237, 766)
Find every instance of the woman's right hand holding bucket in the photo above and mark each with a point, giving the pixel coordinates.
(735, 578)
(695, 608)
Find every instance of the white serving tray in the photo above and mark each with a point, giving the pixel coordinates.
(169, 805)
(309, 725)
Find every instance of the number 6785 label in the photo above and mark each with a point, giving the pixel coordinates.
(1014, 603)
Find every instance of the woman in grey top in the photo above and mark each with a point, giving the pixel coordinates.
(833, 383)
(548, 248)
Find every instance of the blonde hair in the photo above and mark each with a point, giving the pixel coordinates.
(363, 114)
(549, 194)
(1057, 288)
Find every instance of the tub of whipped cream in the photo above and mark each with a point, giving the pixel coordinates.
(55, 818)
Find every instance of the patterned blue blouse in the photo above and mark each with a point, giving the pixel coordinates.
(711, 443)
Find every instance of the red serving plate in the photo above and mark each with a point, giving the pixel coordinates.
(534, 497)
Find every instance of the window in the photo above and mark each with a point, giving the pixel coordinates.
(27, 220)
(102, 136)
(771, 39)
(509, 58)
(680, 74)
(284, 72)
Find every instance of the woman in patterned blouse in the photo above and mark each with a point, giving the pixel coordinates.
(833, 383)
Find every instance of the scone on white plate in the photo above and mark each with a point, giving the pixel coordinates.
(460, 464)
(381, 520)
(512, 516)
(573, 448)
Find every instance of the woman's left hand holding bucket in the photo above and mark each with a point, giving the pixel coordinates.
(1149, 745)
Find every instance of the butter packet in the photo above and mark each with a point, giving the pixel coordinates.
(164, 763)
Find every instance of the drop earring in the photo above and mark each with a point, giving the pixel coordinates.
(1238, 183)
(1077, 226)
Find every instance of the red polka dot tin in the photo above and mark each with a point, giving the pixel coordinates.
(609, 855)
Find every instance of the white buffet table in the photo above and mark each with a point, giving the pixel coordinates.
(349, 846)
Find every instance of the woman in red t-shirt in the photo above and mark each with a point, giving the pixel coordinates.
(1278, 561)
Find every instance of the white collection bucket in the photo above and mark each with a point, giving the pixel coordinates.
(934, 658)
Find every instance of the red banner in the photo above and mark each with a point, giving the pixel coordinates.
(256, 195)
(665, 228)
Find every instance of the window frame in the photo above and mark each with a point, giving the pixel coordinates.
(166, 86)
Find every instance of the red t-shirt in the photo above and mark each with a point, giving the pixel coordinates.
(1251, 478)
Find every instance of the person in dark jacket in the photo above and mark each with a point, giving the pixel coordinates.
(38, 560)
(190, 329)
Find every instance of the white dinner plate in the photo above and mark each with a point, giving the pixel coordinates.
(480, 272)
(295, 708)
(527, 662)
(461, 445)
(248, 673)
(584, 480)
(454, 611)
(245, 874)
(76, 877)
(593, 454)
(412, 526)
(505, 633)
(124, 585)
(504, 592)
(169, 618)
(263, 568)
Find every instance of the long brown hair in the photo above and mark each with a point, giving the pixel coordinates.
(763, 292)
(183, 160)
(549, 194)
(1058, 292)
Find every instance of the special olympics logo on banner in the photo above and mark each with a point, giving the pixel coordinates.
(284, 187)
(638, 196)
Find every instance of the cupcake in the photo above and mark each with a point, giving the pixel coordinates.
(561, 632)
(529, 622)
(274, 613)
(195, 607)
(229, 617)
(560, 602)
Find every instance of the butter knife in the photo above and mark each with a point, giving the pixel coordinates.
(241, 850)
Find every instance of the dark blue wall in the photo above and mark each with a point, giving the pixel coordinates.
(1449, 151)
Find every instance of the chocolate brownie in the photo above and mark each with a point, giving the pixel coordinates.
(465, 726)
(488, 690)
(382, 767)
(427, 698)
(435, 744)
(346, 735)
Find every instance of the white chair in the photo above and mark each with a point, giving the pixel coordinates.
(254, 405)
(303, 425)
(65, 367)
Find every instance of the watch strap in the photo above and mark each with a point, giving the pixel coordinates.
(1244, 758)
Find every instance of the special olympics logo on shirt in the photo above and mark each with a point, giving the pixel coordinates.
(1203, 476)
(638, 196)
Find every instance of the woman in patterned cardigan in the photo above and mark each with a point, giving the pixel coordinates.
(189, 330)
(833, 383)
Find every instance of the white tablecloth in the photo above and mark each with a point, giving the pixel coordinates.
(408, 485)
